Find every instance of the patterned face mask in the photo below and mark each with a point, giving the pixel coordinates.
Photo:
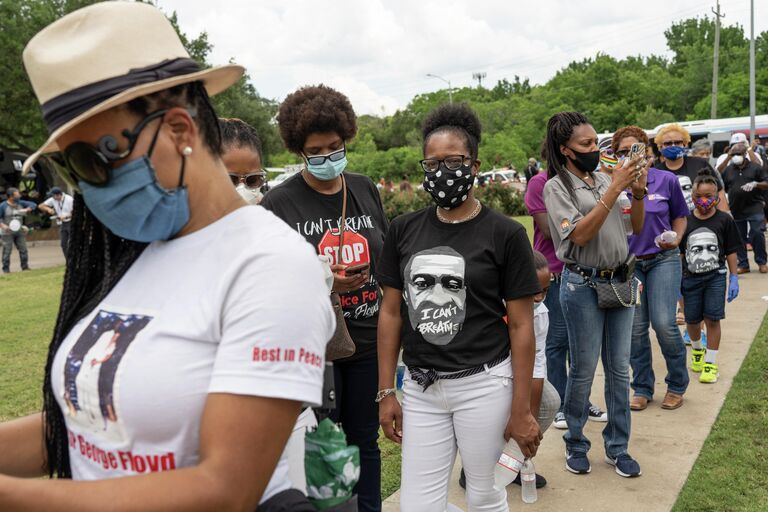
(704, 204)
(449, 188)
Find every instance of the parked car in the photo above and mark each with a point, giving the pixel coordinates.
(503, 177)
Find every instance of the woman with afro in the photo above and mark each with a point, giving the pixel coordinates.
(316, 123)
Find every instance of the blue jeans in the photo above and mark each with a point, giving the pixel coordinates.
(356, 409)
(752, 231)
(557, 342)
(590, 329)
(704, 296)
(660, 277)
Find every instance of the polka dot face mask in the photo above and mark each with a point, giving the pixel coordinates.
(449, 188)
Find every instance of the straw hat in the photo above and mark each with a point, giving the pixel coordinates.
(105, 55)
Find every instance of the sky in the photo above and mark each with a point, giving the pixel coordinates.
(379, 52)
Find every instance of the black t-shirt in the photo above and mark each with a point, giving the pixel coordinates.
(691, 167)
(455, 279)
(317, 218)
(743, 204)
(707, 242)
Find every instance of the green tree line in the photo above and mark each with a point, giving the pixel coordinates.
(612, 92)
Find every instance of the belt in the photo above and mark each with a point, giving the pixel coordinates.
(425, 377)
(585, 271)
(646, 256)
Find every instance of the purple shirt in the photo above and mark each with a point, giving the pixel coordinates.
(534, 202)
(663, 204)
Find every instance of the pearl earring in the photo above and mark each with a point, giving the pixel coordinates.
(186, 151)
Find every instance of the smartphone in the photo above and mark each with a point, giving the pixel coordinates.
(356, 269)
(638, 148)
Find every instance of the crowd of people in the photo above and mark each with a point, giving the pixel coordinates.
(197, 306)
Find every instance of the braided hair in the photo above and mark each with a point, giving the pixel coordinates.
(236, 133)
(97, 259)
(559, 130)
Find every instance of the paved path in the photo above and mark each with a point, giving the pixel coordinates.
(41, 255)
(666, 443)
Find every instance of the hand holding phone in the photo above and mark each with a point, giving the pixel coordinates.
(357, 269)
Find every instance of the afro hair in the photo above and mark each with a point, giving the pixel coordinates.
(315, 109)
(459, 119)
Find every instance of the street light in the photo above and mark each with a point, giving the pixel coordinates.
(450, 90)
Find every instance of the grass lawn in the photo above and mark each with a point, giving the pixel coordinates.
(731, 472)
(29, 303)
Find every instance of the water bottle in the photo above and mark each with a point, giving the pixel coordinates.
(400, 372)
(626, 213)
(528, 480)
(508, 465)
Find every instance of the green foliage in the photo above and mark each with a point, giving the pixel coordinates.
(505, 200)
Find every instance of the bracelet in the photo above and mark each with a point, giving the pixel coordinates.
(645, 193)
(384, 393)
(603, 203)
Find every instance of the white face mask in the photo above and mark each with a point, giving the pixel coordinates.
(250, 196)
(737, 160)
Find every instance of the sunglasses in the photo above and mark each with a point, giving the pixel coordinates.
(670, 143)
(452, 163)
(92, 164)
(255, 179)
(333, 157)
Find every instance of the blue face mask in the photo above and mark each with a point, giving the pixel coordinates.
(134, 206)
(328, 170)
(673, 152)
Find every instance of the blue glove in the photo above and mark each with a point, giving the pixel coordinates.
(733, 287)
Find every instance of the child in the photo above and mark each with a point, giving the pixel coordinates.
(544, 396)
(710, 239)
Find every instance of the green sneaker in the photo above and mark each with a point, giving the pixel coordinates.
(697, 360)
(709, 373)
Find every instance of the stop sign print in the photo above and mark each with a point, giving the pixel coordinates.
(354, 252)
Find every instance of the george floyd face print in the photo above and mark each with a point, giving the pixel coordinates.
(436, 294)
(702, 251)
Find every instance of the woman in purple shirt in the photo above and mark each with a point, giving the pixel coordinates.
(659, 269)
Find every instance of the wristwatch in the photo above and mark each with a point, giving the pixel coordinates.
(384, 393)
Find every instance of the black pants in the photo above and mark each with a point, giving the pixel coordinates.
(64, 235)
(356, 386)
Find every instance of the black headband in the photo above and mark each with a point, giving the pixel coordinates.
(71, 104)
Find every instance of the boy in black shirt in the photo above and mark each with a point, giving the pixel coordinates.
(710, 239)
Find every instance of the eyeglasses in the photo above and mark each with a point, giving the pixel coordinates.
(669, 143)
(254, 179)
(335, 156)
(452, 163)
(92, 164)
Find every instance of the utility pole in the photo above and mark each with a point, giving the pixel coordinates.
(751, 71)
(479, 77)
(713, 111)
(450, 89)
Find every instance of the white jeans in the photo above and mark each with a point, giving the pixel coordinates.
(469, 414)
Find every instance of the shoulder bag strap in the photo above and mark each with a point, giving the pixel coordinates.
(343, 217)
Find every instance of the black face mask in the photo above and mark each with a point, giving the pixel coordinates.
(585, 162)
(449, 188)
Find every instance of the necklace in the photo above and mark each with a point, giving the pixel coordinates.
(465, 219)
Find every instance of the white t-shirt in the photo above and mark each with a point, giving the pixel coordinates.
(238, 307)
(62, 208)
(540, 329)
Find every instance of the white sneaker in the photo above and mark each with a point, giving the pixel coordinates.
(597, 414)
(559, 422)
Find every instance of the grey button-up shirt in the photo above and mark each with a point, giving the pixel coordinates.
(608, 249)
